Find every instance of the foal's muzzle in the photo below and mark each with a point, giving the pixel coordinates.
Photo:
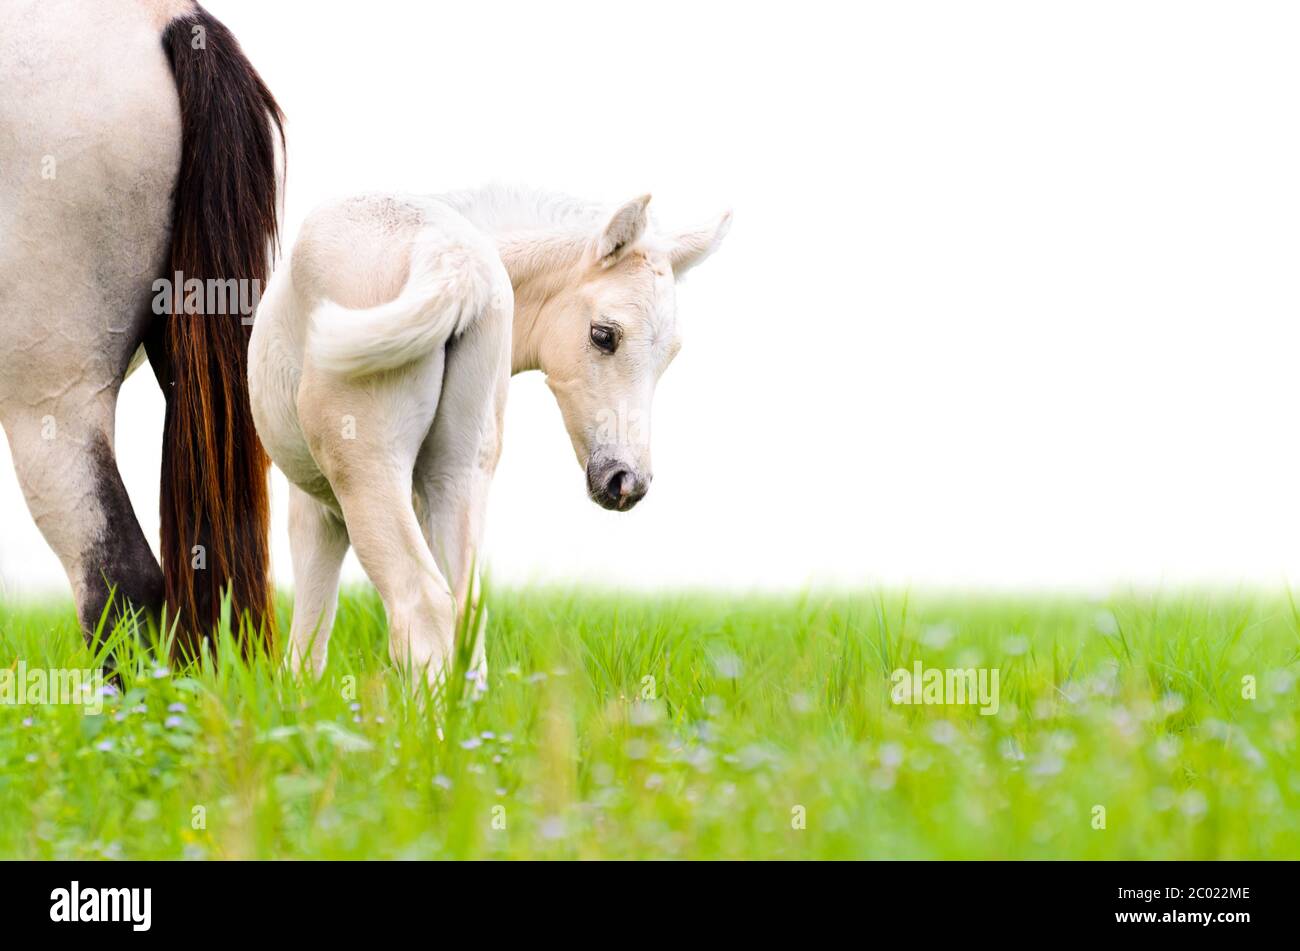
(615, 485)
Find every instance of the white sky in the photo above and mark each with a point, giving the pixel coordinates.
(1011, 297)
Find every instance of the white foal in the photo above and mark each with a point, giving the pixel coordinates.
(379, 366)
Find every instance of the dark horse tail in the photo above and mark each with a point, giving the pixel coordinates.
(215, 507)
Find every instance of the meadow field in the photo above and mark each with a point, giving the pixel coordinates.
(690, 726)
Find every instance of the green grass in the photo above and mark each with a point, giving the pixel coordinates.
(760, 707)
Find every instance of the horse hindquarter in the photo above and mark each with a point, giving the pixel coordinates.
(128, 128)
(89, 151)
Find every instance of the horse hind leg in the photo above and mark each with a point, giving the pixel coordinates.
(84, 231)
(69, 477)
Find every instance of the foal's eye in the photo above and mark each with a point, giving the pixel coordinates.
(605, 338)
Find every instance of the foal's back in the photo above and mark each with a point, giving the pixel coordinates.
(356, 252)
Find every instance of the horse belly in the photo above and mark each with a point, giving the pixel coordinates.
(89, 154)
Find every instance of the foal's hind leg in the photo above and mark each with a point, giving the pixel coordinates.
(63, 453)
(365, 434)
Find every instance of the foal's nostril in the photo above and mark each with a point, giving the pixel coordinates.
(619, 484)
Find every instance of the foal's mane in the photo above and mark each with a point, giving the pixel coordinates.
(539, 232)
(506, 209)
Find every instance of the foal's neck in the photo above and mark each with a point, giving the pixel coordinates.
(539, 266)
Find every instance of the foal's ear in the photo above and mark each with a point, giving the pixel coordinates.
(692, 247)
(624, 229)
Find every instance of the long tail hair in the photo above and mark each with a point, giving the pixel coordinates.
(215, 509)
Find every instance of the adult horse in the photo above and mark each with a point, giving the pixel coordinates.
(136, 144)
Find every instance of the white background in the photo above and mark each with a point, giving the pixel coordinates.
(1010, 299)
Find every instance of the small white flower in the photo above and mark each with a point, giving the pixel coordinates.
(553, 828)
(728, 666)
(1105, 623)
(891, 755)
(938, 636)
(1193, 804)
(1016, 646)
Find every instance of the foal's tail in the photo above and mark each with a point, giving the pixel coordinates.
(447, 289)
(215, 512)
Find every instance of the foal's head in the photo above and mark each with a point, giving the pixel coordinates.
(612, 331)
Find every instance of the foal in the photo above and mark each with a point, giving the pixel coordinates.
(378, 370)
